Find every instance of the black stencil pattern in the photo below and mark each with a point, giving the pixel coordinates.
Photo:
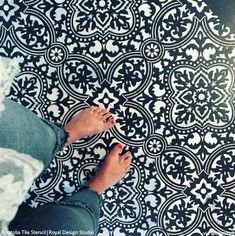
(165, 68)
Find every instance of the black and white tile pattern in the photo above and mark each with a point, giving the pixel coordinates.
(165, 68)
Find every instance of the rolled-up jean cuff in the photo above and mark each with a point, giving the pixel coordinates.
(61, 135)
(87, 199)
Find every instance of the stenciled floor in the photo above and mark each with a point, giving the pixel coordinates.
(166, 69)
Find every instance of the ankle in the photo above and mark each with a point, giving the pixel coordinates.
(96, 185)
(72, 137)
(96, 189)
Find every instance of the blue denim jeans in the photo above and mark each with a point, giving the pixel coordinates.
(77, 214)
(24, 132)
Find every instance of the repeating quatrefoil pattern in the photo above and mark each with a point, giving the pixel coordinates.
(166, 71)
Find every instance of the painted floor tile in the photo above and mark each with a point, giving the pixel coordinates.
(165, 68)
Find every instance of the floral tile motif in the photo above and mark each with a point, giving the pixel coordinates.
(201, 96)
(10, 10)
(166, 71)
(91, 18)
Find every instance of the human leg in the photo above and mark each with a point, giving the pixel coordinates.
(78, 213)
(81, 210)
(25, 132)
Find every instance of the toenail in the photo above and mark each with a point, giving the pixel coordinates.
(112, 122)
(120, 146)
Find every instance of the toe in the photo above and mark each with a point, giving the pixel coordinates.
(125, 158)
(99, 110)
(110, 123)
(106, 115)
(127, 162)
(103, 112)
(117, 150)
(94, 108)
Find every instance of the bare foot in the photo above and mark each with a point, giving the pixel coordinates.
(88, 122)
(112, 171)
